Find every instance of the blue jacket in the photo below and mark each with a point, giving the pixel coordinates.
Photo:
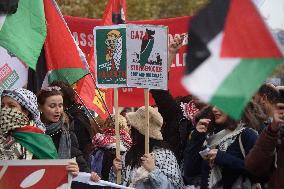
(231, 161)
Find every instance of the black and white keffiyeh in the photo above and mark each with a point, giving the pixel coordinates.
(11, 119)
(28, 100)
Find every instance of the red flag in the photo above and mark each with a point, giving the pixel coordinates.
(97, 99)
(64, 59)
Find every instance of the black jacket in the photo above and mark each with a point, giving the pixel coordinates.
(176, 127)
(82, 128)
(75, 151)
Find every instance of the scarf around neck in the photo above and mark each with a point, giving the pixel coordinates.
(64, 149)
(223, 140)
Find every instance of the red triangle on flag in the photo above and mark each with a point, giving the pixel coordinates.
(60, 48)
(245, 33)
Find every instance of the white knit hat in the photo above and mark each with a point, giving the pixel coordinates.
(138, 121)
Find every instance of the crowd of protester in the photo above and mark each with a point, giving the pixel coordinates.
(191, 144)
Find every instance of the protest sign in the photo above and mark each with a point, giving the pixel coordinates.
(82, 29)
(13, 73)
(110, 50)
(84, 178)
(34, 174)
(147, 56)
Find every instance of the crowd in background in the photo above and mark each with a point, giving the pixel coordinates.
(192, 144)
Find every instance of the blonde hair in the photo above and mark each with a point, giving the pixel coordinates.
(115, 33)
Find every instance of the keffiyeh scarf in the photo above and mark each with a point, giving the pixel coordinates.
(10, 119)
(223, 140)
(28, 100)
(107, 139)
(189, 110)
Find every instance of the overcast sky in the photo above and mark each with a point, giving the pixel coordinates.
(273, 12)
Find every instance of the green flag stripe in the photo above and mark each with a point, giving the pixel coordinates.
(246, 78)
(69, 75)
(24, 32)
(40, 145)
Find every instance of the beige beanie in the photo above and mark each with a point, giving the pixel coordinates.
(138, 121)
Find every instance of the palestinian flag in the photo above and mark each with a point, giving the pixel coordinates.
(38, 143)
(60, 58)
(24, 32)
(231, 52)
(115, 12)
(64, 59)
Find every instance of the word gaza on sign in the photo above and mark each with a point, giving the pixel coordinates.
(130, 55)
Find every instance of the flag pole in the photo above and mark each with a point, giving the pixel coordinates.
(146, 98)
(117, 135)
(100, 94)
(81, 100)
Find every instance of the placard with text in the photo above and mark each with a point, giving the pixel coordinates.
(147, 56)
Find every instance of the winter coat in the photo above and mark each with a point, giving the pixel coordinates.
(267, 158)
(81, 128)
(176, 127)
(75, 151)
(231, 160)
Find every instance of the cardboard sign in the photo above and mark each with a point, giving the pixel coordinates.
(142, 49)
(13, 73)
(34, 174)
(147, 56)
(110, 51)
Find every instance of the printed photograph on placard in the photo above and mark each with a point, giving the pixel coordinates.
(147, 52)
(110, 50)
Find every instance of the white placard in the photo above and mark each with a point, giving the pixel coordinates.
(13, 73)
(147, 56)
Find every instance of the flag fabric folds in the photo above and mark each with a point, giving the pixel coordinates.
(60, 58)
(41, 145)
(231, 52)
(64, 59)
(24, 32)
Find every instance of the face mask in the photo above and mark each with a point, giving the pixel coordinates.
(11, 119)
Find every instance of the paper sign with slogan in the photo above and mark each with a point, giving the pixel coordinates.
(34, 174)
(147, 56)
(13, 73)
(110, 51)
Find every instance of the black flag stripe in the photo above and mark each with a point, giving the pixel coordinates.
(204, 27)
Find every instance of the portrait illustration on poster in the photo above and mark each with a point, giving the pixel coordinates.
(110, 56)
